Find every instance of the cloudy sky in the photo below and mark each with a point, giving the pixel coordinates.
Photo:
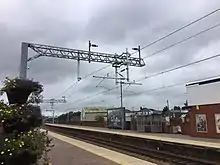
(114, 25)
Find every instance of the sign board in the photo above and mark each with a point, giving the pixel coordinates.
(115, 118)
(94, 109)
(201, 123)
(217, 122)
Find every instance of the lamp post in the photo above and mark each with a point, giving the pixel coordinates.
(68, 118)
(91, 45)
(139, 52)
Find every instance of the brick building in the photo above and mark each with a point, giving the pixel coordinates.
(203, 119)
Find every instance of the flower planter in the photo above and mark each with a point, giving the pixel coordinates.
(32, 118)
(16, 125)
(21, 143)
(1, 129)
(23, 158)
(35, 118)
(18, 95)
(18, 90)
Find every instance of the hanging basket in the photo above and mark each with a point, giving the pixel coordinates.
(18, 95)
(1, 129)
(18, 90)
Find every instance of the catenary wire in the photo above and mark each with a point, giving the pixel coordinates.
(172, 85)
(183, 40)
(177, 30)
(147, 91)
(96, 94)
(181, 66)
(84, 77)
(150, 44)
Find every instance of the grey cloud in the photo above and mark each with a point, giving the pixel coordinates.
(113, 24)
(48, 32)
(117, 21)
(145, 21)
(96, 86)
(183, 53)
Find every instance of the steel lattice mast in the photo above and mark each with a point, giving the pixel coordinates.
(52, 102)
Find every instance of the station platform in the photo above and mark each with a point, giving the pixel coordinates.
(68, 151)
(174, 138)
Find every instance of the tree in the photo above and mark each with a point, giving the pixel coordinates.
(65, 117)
(176, 108)
(165, 111)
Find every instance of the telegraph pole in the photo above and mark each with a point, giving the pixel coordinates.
(68, 118)
(168, 107)
(127, 66)
(121, 92)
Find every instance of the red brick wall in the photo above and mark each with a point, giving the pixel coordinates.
(186, 127)
(210, 111)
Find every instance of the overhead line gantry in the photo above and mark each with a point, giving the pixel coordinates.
(74, 54)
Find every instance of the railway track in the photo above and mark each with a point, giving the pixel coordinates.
(156, 154)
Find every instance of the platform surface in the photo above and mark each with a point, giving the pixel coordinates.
(65, 154)
(175, 138)
(68, 151)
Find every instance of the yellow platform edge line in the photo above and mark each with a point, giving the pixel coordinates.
(116, 157)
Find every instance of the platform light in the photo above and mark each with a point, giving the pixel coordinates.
(135, 49)
(139, 52)
(91, 45)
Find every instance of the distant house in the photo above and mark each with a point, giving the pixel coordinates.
(177, 113)
(147, 120)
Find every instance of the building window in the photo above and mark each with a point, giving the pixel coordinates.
(217, 122)
(201, 123)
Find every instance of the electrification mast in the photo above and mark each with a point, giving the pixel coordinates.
(122, 80)
(52, 102)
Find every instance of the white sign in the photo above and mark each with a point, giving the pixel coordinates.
(217, 122)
